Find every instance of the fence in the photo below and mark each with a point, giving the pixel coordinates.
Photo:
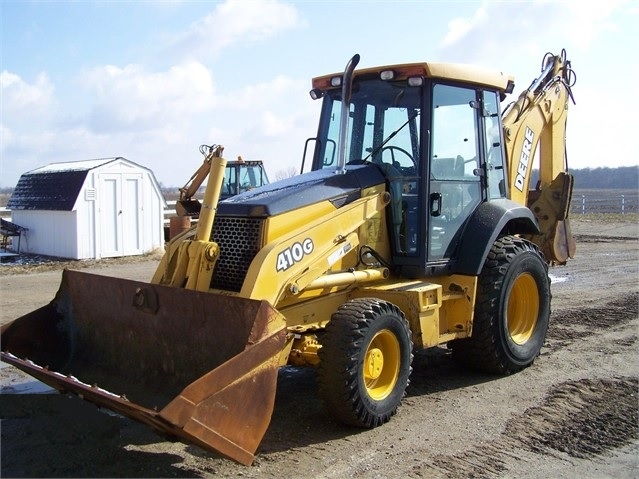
(605, 203)
(585, 203)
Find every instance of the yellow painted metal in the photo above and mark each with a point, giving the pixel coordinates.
(265, 279)
(523, 308)
(304, 350)
(537, 119)
(349, 278)
(438, 310)
(190, 257)
(211, 196)
(551, 207)
(381, 364)
(314, 313)
(449, 71)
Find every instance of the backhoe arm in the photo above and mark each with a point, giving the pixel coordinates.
(186, 205)
(194, 183)
(538, 118)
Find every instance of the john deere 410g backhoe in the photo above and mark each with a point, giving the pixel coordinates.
(415, 228)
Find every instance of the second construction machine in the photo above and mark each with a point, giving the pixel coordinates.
(416, 228)
(239, 176)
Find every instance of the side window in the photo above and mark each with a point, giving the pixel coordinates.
(401, 150)
(230, 180)
(494, 149)
(251, 177)
(329, 158)
(454, 148)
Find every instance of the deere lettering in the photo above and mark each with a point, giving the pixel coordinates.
(524, 159)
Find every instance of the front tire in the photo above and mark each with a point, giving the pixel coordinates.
(512, 310)
(365, 362)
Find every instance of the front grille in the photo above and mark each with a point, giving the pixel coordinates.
(239, 240)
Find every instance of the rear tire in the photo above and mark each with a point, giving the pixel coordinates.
(365, 362)
(512, 310)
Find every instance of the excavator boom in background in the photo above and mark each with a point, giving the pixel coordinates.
(415, 228)
(239, 176)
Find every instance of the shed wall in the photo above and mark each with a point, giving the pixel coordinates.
(51, 233)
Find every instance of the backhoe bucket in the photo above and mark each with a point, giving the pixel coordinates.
(199, 366)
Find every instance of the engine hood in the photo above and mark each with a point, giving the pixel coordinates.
(302, 190)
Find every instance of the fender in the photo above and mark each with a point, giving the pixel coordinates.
(488, 222)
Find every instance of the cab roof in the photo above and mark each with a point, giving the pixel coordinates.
(447, 71)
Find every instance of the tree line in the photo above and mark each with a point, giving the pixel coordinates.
(622, 178)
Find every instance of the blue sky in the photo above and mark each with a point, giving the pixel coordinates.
(153, 80)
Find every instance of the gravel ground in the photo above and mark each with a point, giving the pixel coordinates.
(572, 414)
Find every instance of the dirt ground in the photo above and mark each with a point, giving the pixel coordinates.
(572, 414)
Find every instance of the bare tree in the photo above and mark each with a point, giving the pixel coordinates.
(289, 172)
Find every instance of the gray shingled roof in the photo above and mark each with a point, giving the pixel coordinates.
(52, 187)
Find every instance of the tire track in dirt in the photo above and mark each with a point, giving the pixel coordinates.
(572, 324)
(580, 419)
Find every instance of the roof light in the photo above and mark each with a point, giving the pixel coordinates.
(336, 81)
(387, 75)
(415, 81)
(316, 93)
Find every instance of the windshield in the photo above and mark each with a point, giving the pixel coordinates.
(383, 125)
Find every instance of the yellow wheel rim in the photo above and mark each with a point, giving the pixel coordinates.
(523, 308)
(381, 365)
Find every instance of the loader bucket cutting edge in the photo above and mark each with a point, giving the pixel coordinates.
(199, 366)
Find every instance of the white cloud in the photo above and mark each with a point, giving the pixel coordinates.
(132, 97)
(265, 93)
(274, 125)
(268, 121)
(235, 21)
(26, 108)
(588, 23)
(25, 99)
(498, 32)
(459, 27)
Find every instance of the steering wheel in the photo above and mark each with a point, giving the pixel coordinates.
(401, 150)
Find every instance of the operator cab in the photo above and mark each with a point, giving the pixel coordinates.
(241, 176)
(437, 139)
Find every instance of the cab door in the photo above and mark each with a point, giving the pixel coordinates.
(454, 168)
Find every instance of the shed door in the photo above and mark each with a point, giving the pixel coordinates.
(120, 214)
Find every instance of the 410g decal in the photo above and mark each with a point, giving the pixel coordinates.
(294, 254)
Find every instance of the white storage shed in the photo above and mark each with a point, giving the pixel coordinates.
(89, 209)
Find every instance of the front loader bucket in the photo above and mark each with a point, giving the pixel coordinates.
(199, 366)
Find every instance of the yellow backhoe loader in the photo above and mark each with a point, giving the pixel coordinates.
(239, 176)
(415, 228)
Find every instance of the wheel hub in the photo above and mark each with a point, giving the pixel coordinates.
(374, 363)
(381, 365)
(523, 309)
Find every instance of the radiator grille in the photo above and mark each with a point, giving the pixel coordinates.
(239, 240)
